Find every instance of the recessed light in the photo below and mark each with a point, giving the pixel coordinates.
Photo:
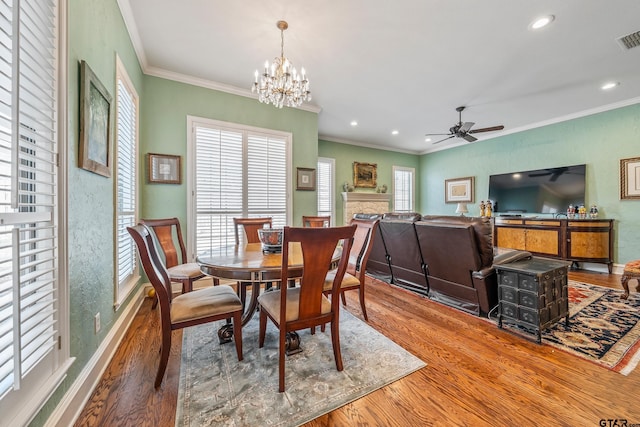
(541, 22)
(354, 123)
(394, 132)
(427, 140)
(609, 85)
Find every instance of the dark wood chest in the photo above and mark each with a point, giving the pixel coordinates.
(533, 294)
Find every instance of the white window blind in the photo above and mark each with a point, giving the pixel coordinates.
(403, 189)
(326, 187)
(239, 172)
(126, 182)
(29, 294)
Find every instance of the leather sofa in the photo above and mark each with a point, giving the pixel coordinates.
(446, 258)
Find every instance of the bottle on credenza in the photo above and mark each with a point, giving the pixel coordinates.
(482, 208)
(488, 208)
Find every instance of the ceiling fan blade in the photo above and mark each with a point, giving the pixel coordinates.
(464, 128)
(469, 138)
(449, 137)
(489, 129)
(436, 134)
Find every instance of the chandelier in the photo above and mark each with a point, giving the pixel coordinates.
(280, 84)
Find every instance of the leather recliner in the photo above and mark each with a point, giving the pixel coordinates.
(403, 251)
(378, 265)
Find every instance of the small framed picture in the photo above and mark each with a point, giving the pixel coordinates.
(365, 175)
(630, 178)
(459, 190)
(306, 179)
(163, 168)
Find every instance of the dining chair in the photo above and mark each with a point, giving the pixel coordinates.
(250, 226)
(188, 309)
(316, 221)
(354, 277)
(306, 306)
(168, 231)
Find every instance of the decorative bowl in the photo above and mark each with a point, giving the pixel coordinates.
(271, 239)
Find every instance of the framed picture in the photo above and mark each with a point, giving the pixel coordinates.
(365, 175)
(95, 123)
(306, 179)
(630, 178)
(459, 190)
(163, 168)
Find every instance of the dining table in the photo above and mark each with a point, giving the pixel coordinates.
(252, 267)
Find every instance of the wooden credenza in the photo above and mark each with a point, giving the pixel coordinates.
(578, 240)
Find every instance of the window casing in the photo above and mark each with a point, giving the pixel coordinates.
(126, 183)
(326, 188)
(403, 189)
(235, 171)
(34, 345)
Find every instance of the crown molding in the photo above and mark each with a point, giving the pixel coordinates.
(366, 145)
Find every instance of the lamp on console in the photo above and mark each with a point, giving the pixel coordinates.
(462, 209)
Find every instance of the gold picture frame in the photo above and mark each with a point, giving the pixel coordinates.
(365, 175)
(94, 153)
(459, 190)
(630, 178)
(164, 168)
(306, 179)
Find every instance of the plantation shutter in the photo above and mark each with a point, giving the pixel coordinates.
(403, 191)
(238, 172)
(127, 178)
(325, 187)
(29, 318)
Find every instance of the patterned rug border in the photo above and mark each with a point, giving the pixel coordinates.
(623, 357)
(220, 363)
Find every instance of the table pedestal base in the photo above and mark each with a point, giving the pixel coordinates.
(225, 333)
(292, 344)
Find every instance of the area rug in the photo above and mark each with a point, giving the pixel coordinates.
(217, 390)
(602, 327)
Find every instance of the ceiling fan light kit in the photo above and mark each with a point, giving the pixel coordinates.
(463, 130)
(280, 84)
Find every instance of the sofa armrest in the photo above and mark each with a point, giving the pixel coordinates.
(484, 273)
(511, 256)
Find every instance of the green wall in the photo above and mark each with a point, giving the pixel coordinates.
(96, 33)
(599, 141)
(165, 107)
(346, 154)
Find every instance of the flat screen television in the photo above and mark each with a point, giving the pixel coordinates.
(544, 191)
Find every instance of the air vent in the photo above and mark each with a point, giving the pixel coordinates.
(630, 40)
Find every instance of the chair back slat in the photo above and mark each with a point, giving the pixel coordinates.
(362, 245)
(168, 231)
(251, 227)
(152, 264)
(316, 221)
(318, 247)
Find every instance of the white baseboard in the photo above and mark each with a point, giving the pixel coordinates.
(77, 396)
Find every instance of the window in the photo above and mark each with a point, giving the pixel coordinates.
(235, 171)
(325, 187)
(33, 351)
(126, 182)
(403, 189)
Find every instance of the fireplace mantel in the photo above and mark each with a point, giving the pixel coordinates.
(361, 202)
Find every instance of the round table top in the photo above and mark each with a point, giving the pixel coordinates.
(249, 263)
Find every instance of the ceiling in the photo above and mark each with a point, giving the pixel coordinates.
(404, 65)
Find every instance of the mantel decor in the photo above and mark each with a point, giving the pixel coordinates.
(95, 120)
(365, 175)
(459, 190)
(630, 178)
(163, 168)
(306, 179)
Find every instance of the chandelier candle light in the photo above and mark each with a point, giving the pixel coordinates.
(280, 84)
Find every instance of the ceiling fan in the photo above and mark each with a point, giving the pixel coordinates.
(463, 130)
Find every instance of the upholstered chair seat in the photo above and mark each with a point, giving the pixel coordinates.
(205, 302)
(631, 271)
(270, 301)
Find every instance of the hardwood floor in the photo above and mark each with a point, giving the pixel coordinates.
(476, 374)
